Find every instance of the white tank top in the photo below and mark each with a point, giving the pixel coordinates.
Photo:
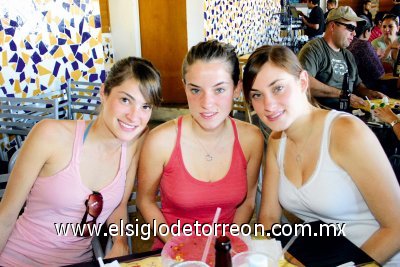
(329, 195)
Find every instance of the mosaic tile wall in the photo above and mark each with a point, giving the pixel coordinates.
(244, 24)
(45, 42)
(107, 48)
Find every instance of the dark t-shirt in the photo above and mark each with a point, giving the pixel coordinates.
(316, 17)
(329, 66)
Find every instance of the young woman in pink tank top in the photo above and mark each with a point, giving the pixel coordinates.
(321, 165)
(68, 175)
(205, 159)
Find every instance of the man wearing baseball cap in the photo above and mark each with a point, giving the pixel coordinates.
(327, 60)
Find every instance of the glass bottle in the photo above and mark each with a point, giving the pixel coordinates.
(344, 98)
(222, 252)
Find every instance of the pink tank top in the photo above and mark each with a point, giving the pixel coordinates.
(185, 198)
(59, 199)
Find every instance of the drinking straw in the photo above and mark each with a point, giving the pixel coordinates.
(366, 97)
(100, 260)
(210, 237)
(287, 246)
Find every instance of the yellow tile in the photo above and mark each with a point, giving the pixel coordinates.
(4, 59)
(25, 57)
(91, 21)
(92, 70)
(53, 40)
(8, 38)
(93, 42)
(71, 57)
(37, 92)
(17, 87)
(99, 61)
(43, 70)
(78, 38)
(51, 80)
(85, 57)
(59, 53)
(1, 78)
(76, 74)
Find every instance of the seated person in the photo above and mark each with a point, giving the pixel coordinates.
(369, 66)
(366, 11)
(386, 114)
(206, 159)
(387, 46)
(78, 173)
(315, 22)
(316, 159)
(377, 29)
(326, 59)
(330, 4)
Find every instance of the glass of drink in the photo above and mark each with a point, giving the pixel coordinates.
(253, 259)
(191, 264)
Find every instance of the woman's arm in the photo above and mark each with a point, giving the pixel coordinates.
(156, 151)
(253, 144)
(33, 155)
(357, 150)
(271, 210)
(120, 246)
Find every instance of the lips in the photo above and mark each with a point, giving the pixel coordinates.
(127, 126)
(275, 116)
(208, 115)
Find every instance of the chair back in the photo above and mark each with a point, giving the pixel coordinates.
(3, 183)
(83, 98)
(19, 115)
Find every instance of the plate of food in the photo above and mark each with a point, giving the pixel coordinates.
(190, 248)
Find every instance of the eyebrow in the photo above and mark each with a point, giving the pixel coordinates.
(269, 85)
(128, 95)
(215, 85)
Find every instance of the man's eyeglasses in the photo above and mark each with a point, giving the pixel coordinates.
(349, 27)
(94, 206)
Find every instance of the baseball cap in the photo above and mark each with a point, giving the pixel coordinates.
(343, 12)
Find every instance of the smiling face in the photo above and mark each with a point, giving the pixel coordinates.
(210, 91)
(125, 111)
(278, 97)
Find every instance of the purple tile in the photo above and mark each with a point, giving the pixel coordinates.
(42, 48)
(94, 53)
(85, 37)
(93, 77)
(56, 68)
(20, 65)
(89, 63)
(74, 49)
(97, 21)
(36, 58)
(10, 31)
(79, 57)
(27, 45)
(61, 41)
(14, 58)
(75, 65)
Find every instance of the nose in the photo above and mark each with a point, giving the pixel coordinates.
(269, 103)
(133, 113)
(207, 100)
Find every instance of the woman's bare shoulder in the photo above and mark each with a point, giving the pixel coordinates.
(54, 130)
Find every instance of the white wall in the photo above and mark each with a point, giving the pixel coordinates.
(194, 19)
(125, 28)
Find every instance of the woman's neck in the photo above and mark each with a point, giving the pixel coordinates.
(300, 128)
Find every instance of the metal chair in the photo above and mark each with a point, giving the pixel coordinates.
(19, 115)
(83, 98)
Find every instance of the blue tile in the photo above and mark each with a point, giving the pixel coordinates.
(56, 68)
(35, 70)
(36, 58)
(13, 23)
(93, 77)
(67, 32)
(53, 50)
(72, 23)
(14, 58)
(61, 41)
(65, 60)
(66, 6)
(94, 53)
(20, 65)
(81, 26)
(74, 49)
(97, 21)
(61, 26)
(103, 76)
(85, 36)
(79, 57)
(75, 65)
(28, 46)
(42, 48)
(77, 2)
(10, 31)
(89, 63)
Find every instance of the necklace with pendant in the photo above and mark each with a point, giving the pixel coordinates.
(208, 156)
(298, 153)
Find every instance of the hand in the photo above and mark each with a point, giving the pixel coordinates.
(119, 248)
(385, 114)
(300, 13)
(374, 94)
(356, 101)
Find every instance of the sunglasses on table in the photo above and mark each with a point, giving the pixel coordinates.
(349, 27)
(94, 206)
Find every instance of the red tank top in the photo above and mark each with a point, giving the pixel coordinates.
(188, 199)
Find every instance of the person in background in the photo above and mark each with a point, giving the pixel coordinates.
(330, 4)
(377, 29)
(366, 11)
(78, 172)
(315, 23)
(368, 63)
(387, 46)
(396, 8)
(203, 160)
(312, 159)
(386, 114)
(326, 59)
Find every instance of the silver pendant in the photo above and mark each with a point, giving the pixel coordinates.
(298, 158)
(209, 157)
